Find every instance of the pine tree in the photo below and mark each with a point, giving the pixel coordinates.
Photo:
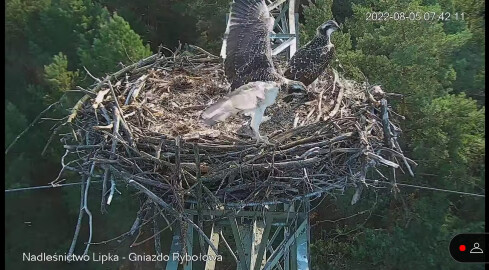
(18, 13)
(210, 21)
(443, 132)
(115, 42)
(58, 77)
(63, 27)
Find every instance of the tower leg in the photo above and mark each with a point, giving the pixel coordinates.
(257, 238)
(190, 245)
(215, 231)
(176, 247)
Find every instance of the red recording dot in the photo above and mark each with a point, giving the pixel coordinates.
(461, 247)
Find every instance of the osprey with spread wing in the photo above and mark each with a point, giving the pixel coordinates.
(248, 66)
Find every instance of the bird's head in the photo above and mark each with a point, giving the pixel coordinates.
(327, 28)
(377, 91)
(295, 90)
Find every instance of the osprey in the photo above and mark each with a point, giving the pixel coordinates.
(312, 59)
(249, 67)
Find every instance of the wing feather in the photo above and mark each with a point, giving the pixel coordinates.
(244, 99)
(248, 48)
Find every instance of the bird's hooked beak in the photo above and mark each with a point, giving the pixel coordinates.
(328, 27)
(336, 26)
(295, 90)
(297, 87)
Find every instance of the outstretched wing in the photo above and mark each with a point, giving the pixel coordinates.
(246, 98)
(248, 48)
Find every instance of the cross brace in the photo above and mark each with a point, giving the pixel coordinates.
(253, 248)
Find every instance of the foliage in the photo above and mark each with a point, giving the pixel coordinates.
(452, 132)
(443, 132)
(163, 22)
(210, 21)
(17, 15)
(12, 128)
(315, 14)
(114, 43)
(42, 62)
(58, 77)
(420, 242)
(64, 26)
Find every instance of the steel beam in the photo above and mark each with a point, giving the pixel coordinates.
(280, 15)
(277, 215)
(292, 30)
(190, 246)
(262, 245)
(302, 252)
(284, 45)
(246, 233)
(279, 252)
(215, 232)
(242, 263)
(293, 248)
(275, 4)
(176, 247)
(226, 33)
(253, 241)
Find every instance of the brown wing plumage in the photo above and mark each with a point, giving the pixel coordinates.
(310, 61)
(248, 48)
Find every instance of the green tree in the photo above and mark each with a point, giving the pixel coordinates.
(37, 31)
(210, 21)
(63, 27)
(18, 13)
(114, 43)
(443, 132)
(58, 77)
(314, 15)
(165, 22)
(470, 59)
(12, 128)
(449, 139)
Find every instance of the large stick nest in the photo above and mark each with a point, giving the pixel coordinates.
(142, 125)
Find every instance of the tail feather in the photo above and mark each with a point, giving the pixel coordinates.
(218, 112)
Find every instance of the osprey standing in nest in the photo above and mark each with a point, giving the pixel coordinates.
(311, 60)
(249, 67)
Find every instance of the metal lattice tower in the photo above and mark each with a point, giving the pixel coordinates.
(285, 35)
(273, 237)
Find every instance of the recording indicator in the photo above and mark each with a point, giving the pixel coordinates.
(469, 248)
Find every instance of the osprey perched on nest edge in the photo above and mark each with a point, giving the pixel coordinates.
(311, 60)
(249, 67)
